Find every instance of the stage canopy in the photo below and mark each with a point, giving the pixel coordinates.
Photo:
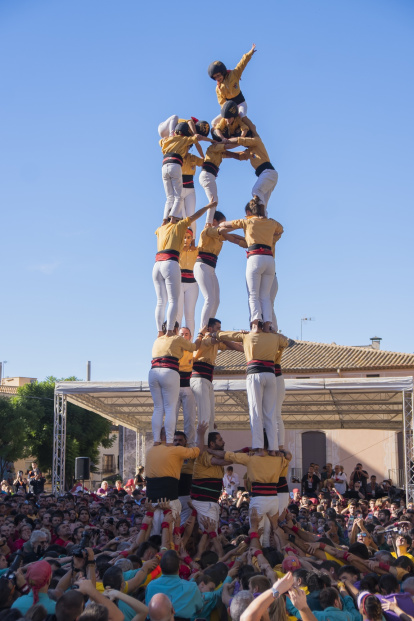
(352, 403)
(309, 403)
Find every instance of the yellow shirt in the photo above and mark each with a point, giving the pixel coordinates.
(207, 352)
(237, 125)
(171, 236)
(215, 154)
(188, 466)
(177, 144)
(188, 258)
(279, 353)
(230, 87)
(259, 469)
(204, 469)
(210, 241)
(258, 345)
(258, 230)
(190, 164)
(256, 151)
(186, 362)
(171, 346)
(167, 461)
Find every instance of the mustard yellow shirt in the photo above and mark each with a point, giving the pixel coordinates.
(259, 469)
(230, 87)
(207, 352)
(258, 345)
(204, 469)
(188, 258)
(171, 346)
(215, 154)
(259, 230)
(186, 361)
(177, 144)
(237, 125)
(256, 151)
(167, 461)
(210, 241)
(190, 164)
(171, 236)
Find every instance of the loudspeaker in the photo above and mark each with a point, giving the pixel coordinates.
(82, 467)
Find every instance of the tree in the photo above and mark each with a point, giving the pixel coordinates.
(85, 430)
(14, 420)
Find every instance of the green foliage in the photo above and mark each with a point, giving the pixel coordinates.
(14, 420)
(85, 430)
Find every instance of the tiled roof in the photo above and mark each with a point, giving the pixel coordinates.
(307, 357)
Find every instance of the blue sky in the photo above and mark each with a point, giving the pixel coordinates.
(83, 88)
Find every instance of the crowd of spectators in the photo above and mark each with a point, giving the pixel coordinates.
(342, 551)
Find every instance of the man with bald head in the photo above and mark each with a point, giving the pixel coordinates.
(160, 608)
(184, 596)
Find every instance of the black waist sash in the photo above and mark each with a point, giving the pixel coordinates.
(161, 487)
(185, 379)
(187, 276)
(203, 369)
(211, 168)
(165, 362)
(282, 486)
(207, 490)
(184, 484)
(278, 370)
(264, 489)
(172, 158)
(208, 258)
(188, 181)
(238, 99)
(260, 249)
(262, 167)
(260, 366)
(167, 255)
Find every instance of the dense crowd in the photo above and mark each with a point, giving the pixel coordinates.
(330, 555)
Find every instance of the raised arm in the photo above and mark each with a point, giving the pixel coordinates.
(200, 212)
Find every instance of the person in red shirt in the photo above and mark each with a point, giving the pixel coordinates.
(63, 534)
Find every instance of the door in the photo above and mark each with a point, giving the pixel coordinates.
(313, 449)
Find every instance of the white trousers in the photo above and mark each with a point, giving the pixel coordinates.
(186, 305)
(280, 397)
(204, 396)
(206, 278)
(173, 185)
(185, 509)
(187, 400)
(188, 204)
(284, 498)
(265, 184)
(207, 509)
(164, 385)
(260, 274)
(167, 282)
(273, 293)
(242, 112)
(166, 128)
(264, 505)
(158, 518)
(209, 183)
(261, 395)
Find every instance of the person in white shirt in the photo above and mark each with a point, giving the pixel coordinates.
(340, 480)
(231, 481)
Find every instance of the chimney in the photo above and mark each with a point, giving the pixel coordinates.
(376, 342)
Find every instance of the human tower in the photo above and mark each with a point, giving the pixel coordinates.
(182, 370)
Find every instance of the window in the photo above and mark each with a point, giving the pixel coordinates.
(313, 449)
(373, 375)
(108, 463)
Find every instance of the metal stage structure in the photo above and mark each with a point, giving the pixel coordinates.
(372, 403)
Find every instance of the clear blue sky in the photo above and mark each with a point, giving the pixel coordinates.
(83, 88)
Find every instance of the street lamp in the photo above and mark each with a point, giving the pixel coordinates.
(3, 374)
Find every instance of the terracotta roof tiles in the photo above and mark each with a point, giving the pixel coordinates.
(307, 357)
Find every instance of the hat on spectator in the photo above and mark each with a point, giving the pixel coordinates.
(295, 490)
